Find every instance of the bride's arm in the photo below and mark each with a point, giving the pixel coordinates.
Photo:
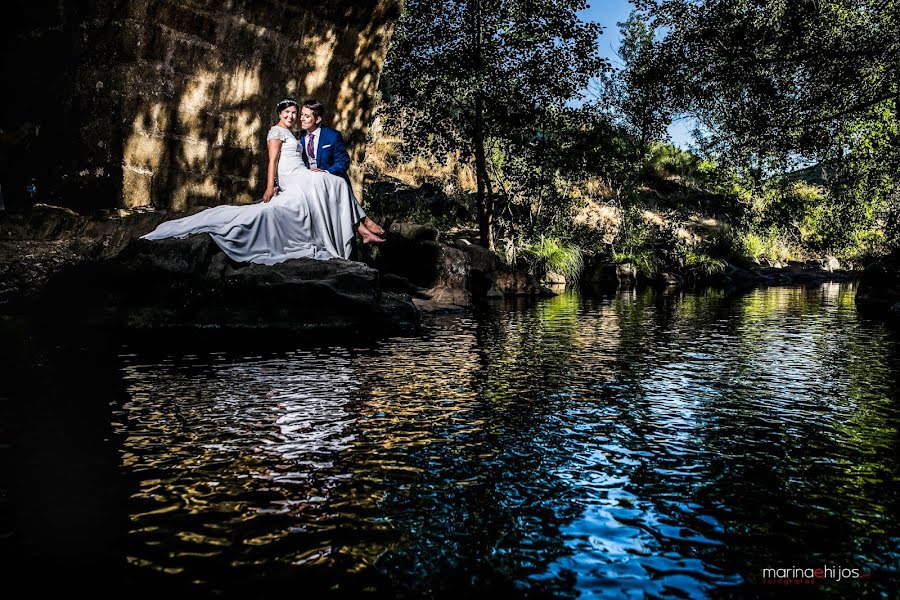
(274, 146)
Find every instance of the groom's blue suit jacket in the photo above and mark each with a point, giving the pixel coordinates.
(331, 154)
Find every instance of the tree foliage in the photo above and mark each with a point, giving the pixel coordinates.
(637, 93)
(773, 85)
(776, 83)
(486, 79)
(773, 78)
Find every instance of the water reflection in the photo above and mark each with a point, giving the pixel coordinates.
(623, 446)
(239, 459)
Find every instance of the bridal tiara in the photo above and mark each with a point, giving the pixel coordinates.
(285, 103)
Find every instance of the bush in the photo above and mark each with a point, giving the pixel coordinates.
(551, 255)
(643, 259)
(700, 264)
(769, 244)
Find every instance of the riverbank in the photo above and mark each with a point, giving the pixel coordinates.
(96, 272)
(626, 275)
(431, 270)
(675, 236)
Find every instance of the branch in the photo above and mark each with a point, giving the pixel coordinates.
(852, 109)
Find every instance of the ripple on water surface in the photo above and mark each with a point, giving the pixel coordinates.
(623, 446)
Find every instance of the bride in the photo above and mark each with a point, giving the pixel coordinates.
(308, 214)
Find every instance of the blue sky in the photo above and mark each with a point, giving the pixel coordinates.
(608, 13)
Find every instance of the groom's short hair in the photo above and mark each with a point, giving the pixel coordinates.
(317, 108)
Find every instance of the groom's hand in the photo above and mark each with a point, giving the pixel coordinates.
(318, 170)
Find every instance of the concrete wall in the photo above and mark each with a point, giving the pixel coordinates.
(138, 103)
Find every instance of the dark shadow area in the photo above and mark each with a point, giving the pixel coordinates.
(64, 497)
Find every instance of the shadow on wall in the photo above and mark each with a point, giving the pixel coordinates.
(167, 104)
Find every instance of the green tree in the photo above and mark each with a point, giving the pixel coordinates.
(485, 78)
(636, 92)
(775, 83)
(770, 77)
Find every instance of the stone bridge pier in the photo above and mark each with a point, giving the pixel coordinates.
(163, 103)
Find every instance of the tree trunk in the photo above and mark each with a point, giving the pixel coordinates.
(485, 195)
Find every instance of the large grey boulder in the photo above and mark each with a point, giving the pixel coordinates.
(190, 284)
(879, 287)
(451, 272)
(414, 253)
(490, 277)
(612, 275)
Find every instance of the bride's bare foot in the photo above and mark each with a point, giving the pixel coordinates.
(372, 226)
(367, 236)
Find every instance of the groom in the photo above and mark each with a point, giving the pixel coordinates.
(324, 151)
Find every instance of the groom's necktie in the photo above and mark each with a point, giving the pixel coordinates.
(310, 148)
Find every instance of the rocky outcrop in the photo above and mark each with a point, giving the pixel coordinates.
(447, 273)
(97, 272)
(490, 277)
(625, 275)
(804, 272)
(190, 284)
(413, 253)
(610, 275)
(122, 280)
(879, 287)
(37, 244)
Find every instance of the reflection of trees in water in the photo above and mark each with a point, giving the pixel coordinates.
(828, 406)
(625, 442)
(460, 454)
(754, 398)
(697, 404)
(632, 441)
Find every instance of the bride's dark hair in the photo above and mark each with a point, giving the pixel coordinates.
(285, 104)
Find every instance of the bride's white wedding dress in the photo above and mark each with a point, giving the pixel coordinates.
(313, 216)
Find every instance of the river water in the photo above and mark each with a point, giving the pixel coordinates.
(621, 446)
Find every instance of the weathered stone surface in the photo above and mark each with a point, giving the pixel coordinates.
(455, 272)
(413, 232)
(39, 243)
(481, 258)
(795, 272)
(413, 253)
(490, 277)
(96, 270)
(667, 279)
(514, 283)
(879, 287)
(442, 270)
(436, 308)
(610, 274)
(36, 246)
(165, 103)
(401, 285)
(27, 265)
(552, 278)
(188, 285)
